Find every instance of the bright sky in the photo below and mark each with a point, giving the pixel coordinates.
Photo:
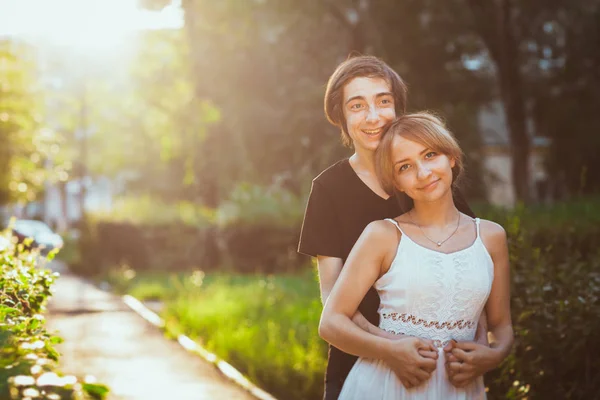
(82, 24)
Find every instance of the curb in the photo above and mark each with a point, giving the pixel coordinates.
(189, 345)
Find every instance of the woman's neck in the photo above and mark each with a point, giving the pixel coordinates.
(436, 213)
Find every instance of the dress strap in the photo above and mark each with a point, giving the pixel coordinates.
(393, 221)
(477, 221)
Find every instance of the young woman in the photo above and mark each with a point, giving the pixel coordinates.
(435, 270)
(364, 95)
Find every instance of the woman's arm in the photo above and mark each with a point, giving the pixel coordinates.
(498, 304)
(373, 250)
(474, 359)
(329, 270)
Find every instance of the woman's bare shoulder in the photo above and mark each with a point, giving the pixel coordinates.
(492, 234)
(380, 229)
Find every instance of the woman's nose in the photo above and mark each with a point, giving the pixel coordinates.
(423, 172)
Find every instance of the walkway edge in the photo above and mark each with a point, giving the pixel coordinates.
(191, 346)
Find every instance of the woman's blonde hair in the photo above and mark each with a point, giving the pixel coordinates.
(424, 128)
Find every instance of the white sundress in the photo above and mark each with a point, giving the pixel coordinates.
(431, 295)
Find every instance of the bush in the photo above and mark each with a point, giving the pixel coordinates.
(256, 230)
(28, 360)
(556, 312)
(261, 248)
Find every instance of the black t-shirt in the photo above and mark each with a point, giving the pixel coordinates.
(339, 208)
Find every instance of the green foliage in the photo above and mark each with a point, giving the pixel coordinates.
(555, 264)
(152, 211)
(137, 119)
(25, 144)
(28, 360)
(272, 214)
(253, 204)
(142, 233)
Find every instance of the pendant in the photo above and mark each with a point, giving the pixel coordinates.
(439, 244)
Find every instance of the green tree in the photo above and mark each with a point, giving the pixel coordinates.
(25, 143)
(138, 117)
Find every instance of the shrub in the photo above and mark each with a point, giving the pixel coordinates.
(257, 229)
(28, 360)
(556, 312)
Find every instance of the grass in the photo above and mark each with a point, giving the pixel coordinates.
(265, 325)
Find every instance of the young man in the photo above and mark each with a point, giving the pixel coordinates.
(363, 96)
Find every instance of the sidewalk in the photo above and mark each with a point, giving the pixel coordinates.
(106, 339)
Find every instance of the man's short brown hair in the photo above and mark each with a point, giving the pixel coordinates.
(360, 67)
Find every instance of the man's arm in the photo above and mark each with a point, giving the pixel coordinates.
(329, 271)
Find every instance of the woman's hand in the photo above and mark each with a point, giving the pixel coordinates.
(465, 361)
(412, 360)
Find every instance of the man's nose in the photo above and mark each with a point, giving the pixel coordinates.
(372, 113)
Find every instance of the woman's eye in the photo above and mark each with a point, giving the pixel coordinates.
(356, 106)
(403, 168)
(430, 154)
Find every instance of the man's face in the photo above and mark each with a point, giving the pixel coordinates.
(368, 107)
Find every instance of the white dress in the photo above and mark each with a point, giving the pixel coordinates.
(431, 295)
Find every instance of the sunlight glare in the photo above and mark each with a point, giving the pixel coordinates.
(84, 25)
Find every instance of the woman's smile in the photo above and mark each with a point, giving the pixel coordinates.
(430, 186)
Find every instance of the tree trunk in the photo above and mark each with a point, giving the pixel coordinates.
(493, 23)
(511, 89)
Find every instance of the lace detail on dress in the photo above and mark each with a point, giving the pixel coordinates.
(460, 324)
(464, 298)
(404, 324)
(430, 298)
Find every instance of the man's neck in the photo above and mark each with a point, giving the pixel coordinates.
(363, 162)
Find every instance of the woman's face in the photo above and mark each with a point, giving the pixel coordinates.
(420, 172)
(368, 108)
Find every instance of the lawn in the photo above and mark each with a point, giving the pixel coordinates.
(265, 325)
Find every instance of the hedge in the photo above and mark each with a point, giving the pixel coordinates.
(28, 359)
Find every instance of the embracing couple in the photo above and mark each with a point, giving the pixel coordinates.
(411, 281)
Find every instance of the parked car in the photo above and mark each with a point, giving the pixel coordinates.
(42, 234)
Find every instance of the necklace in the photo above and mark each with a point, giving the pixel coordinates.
(441, 242)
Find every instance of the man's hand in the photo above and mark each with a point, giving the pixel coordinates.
(465, 361)
(412, 360)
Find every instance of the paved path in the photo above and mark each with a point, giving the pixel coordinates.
(106, 339)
